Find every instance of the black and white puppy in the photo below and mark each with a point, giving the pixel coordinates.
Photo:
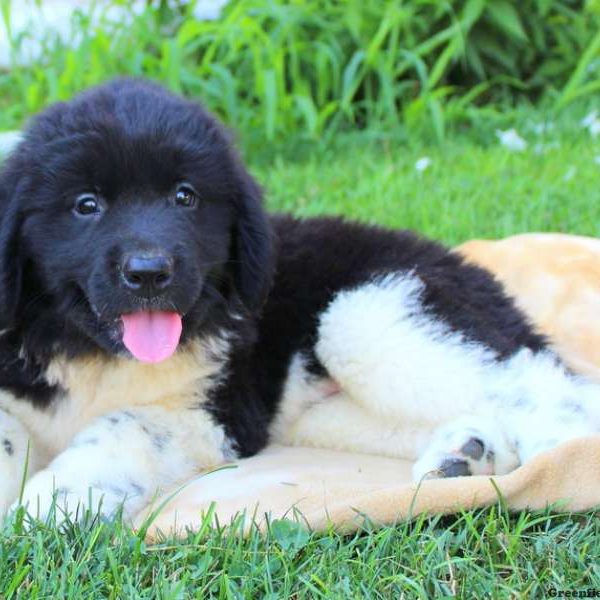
(155, 321)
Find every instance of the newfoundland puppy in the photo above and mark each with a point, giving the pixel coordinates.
(155, 321)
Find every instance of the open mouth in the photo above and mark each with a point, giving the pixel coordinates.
(151, 336)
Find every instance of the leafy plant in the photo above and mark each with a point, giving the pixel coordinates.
(310, 68)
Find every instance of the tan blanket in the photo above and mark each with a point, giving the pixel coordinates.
(556, 280)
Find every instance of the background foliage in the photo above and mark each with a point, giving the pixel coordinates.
(311, 68)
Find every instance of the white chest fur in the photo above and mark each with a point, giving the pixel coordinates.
(100, 385)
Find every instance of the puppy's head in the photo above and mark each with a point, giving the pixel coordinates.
(128, 216)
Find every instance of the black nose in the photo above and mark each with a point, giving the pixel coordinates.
(147, 275)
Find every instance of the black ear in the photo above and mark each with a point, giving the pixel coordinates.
(10, 256)
(254, 246)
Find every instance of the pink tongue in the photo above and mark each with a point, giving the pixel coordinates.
(151, 336)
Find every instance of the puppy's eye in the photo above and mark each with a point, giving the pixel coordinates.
(87, 204)
(186, 196)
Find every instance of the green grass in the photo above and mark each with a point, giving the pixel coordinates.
(275, 67)
(470, 189)
(474, 188)
(478, 554)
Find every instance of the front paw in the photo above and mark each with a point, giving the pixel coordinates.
(47, 495)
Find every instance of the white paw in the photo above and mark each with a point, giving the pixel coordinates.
(16, 455)
(10, 479)
(466, 447)
(47, 493)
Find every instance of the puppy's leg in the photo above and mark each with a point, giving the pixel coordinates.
(16, 454)
(397, 360)
(542, 429)
(539, 428)
(314, 412)
(340, 424)
(536, 404)
(541, 403)
(394, 358)
(126, 458)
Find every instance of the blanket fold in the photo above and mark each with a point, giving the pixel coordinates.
(323, 488)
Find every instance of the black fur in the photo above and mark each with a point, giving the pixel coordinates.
(260, 282)
(318, 257)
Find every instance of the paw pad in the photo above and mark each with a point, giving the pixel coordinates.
(474, 448)
(454, 467)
